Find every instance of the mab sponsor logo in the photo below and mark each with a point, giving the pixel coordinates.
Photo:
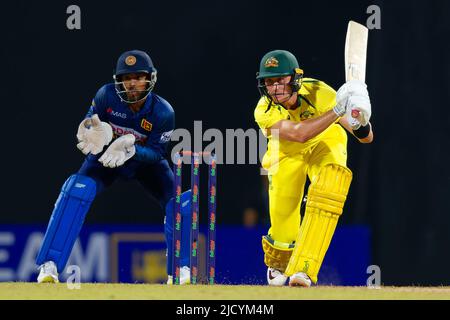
(120, 131)
(116, 114)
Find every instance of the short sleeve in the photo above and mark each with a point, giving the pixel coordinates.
(266, 117)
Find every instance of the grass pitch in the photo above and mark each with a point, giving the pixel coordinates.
(96, 291)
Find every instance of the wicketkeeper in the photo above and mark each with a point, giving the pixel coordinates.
(304, 120)
(124, 135)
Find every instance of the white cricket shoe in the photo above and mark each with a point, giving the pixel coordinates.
(185, 276)
(48, 273)
(275, 277)
(300, 279)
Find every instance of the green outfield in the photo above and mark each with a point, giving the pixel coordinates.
(20, 290)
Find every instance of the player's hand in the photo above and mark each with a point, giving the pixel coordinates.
(359, 108)
(350, 88)
(93, 135)
(119, 151)
(353, 122)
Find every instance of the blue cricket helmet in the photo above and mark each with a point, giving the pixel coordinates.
(134, 61)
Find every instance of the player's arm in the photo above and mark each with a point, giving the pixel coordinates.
(351, 95)
(363, 134)
(304, 130)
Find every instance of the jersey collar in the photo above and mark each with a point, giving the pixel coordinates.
(303, 91)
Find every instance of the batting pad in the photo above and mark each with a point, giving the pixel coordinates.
(66, 221)
(276, 255)
(326, 198)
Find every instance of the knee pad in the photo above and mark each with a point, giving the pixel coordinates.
(73, 203)
(329, 189)
(276, 254)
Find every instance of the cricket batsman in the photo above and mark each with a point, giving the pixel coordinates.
(305, 121)
(124, 135)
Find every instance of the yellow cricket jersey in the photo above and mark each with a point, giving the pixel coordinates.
(316, 99)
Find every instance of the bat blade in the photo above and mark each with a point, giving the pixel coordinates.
(356, 51)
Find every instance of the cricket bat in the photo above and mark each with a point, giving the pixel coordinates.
(356, 53)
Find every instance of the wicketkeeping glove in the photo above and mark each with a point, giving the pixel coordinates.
(119, 151)
(93, 135)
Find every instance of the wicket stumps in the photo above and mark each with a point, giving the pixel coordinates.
(211, 264)
(194, 226)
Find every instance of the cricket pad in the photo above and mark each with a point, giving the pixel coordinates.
(326, 198)
(276, 256)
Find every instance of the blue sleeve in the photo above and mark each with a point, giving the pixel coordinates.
(98, 105)
(156, 147)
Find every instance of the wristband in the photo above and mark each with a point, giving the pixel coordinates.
(362, 132)
(339, 110)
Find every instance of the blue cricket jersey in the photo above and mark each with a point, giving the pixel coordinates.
(152, 125)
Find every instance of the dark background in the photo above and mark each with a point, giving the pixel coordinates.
(207, 53)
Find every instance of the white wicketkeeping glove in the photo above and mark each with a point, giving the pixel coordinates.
(93, 135)
(350, 88)
(362, 105)
(119, 151)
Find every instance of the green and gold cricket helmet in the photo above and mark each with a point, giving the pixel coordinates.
(278, 63)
